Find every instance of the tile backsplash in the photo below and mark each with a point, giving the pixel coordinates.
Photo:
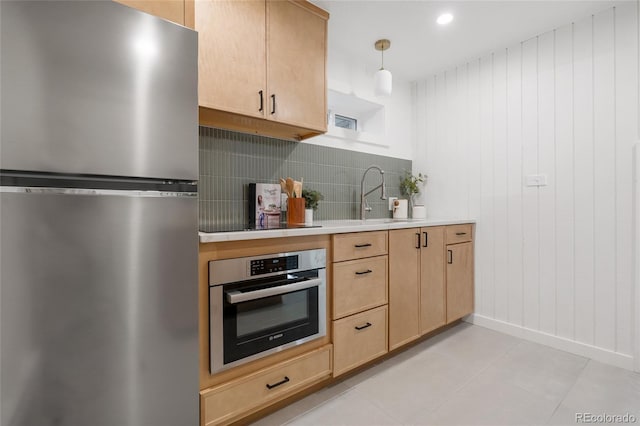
(229, 161)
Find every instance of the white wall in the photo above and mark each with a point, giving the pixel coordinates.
(554, 263)
(348, 75)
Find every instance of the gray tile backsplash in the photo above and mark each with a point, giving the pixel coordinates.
(229, 161)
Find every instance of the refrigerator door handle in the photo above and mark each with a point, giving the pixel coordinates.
(99, 192)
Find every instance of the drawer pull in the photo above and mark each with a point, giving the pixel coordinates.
(368, 271)
(461, 233)
(450, 256)
(281, 382)
(362, 327)
(363, 245)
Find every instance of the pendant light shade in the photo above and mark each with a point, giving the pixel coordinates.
(383, 83)
(384, 80)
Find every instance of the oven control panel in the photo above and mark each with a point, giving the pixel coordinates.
(273, 264)
(229, 271)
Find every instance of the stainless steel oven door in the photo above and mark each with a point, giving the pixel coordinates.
(253, 319)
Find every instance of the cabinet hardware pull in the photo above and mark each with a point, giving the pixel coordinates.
(368, 271)
(363, 245)
(362, 327)
(450, 255)
(261, 101)
(418, 240)
(281, 382)
(461, 233)
(426, 239)
(273, 104)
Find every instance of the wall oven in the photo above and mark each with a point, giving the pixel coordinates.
(263, 304)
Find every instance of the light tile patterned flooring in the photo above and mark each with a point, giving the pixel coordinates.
(470, 375)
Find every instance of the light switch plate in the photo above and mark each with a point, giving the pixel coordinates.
(391, 200)
(536, 180)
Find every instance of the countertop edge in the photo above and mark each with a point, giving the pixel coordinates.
(329, 227)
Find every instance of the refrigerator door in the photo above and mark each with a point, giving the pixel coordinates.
(98, 308)
(95, 87)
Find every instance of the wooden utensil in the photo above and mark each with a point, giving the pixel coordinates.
(297, 189)
(290, 188)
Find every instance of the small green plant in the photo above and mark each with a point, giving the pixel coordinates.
(410, 184)
(312, 198)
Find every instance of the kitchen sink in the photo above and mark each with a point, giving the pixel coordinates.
(373, 221)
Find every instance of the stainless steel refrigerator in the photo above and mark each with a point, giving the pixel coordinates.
(98, 216)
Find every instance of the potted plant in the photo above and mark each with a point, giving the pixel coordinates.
(311, 198)
(410, 185)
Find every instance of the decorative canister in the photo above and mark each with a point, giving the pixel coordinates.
(295, 211)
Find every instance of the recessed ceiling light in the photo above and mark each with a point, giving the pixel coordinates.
(445, 19)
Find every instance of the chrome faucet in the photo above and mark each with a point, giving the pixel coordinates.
(364, 207)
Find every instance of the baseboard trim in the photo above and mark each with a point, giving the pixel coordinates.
(589, 351)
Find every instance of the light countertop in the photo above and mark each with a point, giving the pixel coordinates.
(329, 227)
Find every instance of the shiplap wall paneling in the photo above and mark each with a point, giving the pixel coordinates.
(604, 153)
(464, 142)
(440, 185)
(531, 225)
(500, 170)
(554, 259)
(515, 187)
(564, 183)
(431, 120)
(452, 156)
(485, 224)
(626, 132)
(475, 166)
(547, 194)
(584, 225)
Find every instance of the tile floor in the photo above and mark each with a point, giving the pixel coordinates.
(470, 375)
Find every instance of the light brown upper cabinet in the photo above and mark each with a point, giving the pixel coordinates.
(171, 10)
(262, 66)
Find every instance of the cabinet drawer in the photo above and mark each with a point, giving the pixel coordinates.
(458, 233)
(359, 245)
(359, 285)
(358, 339)
(231, 401)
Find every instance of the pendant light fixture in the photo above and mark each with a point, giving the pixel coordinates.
(383, 77)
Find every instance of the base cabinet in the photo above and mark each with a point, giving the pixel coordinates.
(459, 280)
(404, 286)
(430, 279)
(359, 338)
(388, 288)
(231, 401)
(359, 285)
(360, 298)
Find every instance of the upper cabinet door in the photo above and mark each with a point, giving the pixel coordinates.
(296, 64)
(171, 10)
(231, 55)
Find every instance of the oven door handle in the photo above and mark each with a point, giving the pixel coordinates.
(235, 296)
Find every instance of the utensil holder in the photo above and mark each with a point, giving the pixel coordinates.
(295, 211)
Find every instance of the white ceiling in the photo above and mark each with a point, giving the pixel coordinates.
(420, 47)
